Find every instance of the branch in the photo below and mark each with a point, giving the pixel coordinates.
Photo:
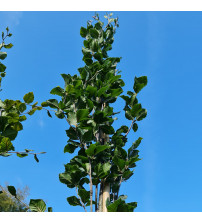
(91, 187)
(90, 183)
(130, 127)
(8, 193)
(80, 200)
(96, 191)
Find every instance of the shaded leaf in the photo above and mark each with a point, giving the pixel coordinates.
(12, 190)
(37, 205)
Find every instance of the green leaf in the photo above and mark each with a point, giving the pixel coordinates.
(128, 115)
(50, 209)
(136, 109)
(119, 162)
(71, 133)
(3, 55)
(82, 114)
(17, 126)
(74, 201)
(94, 33)
(134, 146)
(49, 114)
(10, 133)
(113, 207)
(12, 190)
(57, 91)
(91, 90)
(37, 205)
(140, 83)
(29, 97)
(90, 150)
(8, 46)
(6, 145)
(106, 167)
(69, 148)
(142, 114)
(135, 127)
(36, 158)
(22, 107)
(85, 195)
(100, 148)
(72, 118)
(2, 67)
(21, 155)
(83, 32)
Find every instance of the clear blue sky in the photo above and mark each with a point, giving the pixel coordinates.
(165, 46)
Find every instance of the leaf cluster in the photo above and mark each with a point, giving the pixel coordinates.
(85, 103)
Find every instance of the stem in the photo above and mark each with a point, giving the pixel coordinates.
(80, 200)
(8, 193)
(96, 190)
(91, 187)
(130, 127)
(119, 187)
(90, 183)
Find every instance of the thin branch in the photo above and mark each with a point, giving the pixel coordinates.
(90, 183)
(119, 186)
(96, 191)
(92, 77)
(130, 127)
(80, 200)
(32, 153)
(91, 187)
(8, 193)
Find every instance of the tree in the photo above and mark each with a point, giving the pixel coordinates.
(10, 203)
(12, 114)
(101, 163)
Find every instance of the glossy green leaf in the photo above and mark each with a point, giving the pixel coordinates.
(8, 46)
(84, 195)
(83, 32)
(69, 148)
(90, 151)
(140, 83)
(29, 97)
(37, 205)
(57, 91)
(135, 127)
(2, 67)
(82, 114)
(136, 109)
(74, 201)
(3, 55)
(94, 33)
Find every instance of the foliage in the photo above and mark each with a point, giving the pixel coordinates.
(9, 201)
(13, 112)
(85, 103)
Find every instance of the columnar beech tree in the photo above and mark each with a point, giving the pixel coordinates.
(101, 162)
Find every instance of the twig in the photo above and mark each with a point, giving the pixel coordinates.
(80, 200)
(119, 187)
(130, 127)
(91, 187)
(90, 183)
(8, 193)
(96, 189)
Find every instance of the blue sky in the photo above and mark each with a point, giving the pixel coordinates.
(165, 46)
